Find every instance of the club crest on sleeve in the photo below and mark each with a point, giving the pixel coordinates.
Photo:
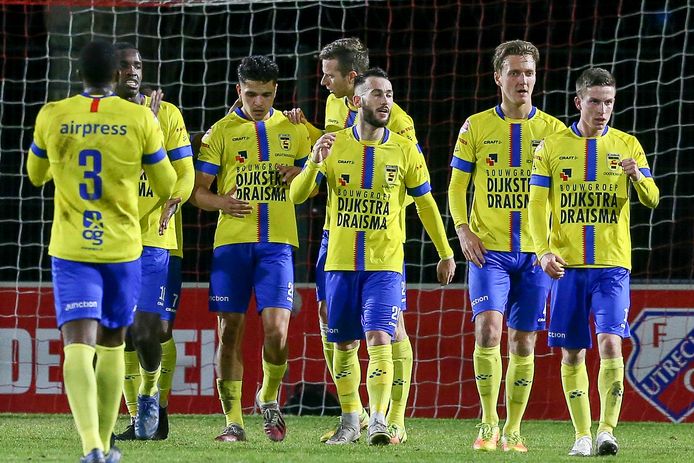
(661, 365)
(391, 174)
(285, 141)
(613, 161)
(565, 174)
(465, 127)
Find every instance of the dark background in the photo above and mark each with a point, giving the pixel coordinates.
(439, 56)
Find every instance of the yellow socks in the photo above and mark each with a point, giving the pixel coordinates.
(272, 378)
(574, 380)
(519, 381)
(80, 386)
(132, 381)
(328, 349)
(109, 370)
(379, 379)
(168, 366)
(402, 377)
(150, 381)
(347, 378)
(611, 388)
(230, 397)
(487, 364)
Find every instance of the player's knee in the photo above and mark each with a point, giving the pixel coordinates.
(573, 356)
(610, 345)
(487, 335)
(521, 343)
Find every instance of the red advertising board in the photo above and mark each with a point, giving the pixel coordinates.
(659, 359)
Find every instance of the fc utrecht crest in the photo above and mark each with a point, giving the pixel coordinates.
(661, 365)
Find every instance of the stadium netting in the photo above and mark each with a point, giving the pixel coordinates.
(439, 56)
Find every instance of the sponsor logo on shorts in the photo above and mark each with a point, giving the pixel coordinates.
(661, 364)
(219, 298)
(81, 305)
(333, 330)
(556, 334)
(474, 302)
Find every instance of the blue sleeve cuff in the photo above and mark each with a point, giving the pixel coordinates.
(38, 151)
(207, 167)
(644, 170)
(540, 180)
(300, 162)
(465, 166)
(180, 153)
(154, 157)
(422, 189)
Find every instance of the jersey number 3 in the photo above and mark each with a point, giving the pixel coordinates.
(91, 175)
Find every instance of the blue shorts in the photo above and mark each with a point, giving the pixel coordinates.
(104, 292)
(509, 283)
(265, 268)
(155, 267)
(320, 267)
(320, 274)
(602, 291)
(362, 301)
(173, 289)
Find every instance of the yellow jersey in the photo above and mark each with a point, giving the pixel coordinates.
(245, 154)
(588, 194)
(94, 148)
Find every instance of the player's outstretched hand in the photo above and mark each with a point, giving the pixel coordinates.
(169, 209)
(553, 265)
(445, 271)
(157, 96)
(288, 173)
(472, 246)
(322, 148)
(295, 116)
(631, 169)
(235, 207)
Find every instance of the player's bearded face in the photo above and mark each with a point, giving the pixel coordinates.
(517, 79)
(257, 98)
(129, 72)
(376, 101)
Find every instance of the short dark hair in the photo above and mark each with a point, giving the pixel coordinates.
(372, 72)
(258, 68)
(98, 63)
(513, 48)
(350, 53)
(120, 46)
(594, 77)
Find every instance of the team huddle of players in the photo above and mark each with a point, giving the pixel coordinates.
(122, 170)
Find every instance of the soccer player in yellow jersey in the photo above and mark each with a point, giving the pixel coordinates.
(253, 152)
(585, 173)
(369, 172)
(150, 351)
(94, 146)
(341, 61)
(495, 151)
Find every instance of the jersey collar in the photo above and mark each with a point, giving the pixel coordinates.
(349, 106)
(501, 114)
(239, 112)
(386, 134)
(574, 129)
(97, 96)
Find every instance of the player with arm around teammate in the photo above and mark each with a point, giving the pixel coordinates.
(93, 146)
(368, 165)
(585, 173)
(341, 62)
(495, 150)
(250, 152)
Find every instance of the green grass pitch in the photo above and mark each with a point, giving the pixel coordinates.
(30, 438)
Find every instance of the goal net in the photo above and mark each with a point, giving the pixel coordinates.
(439, 57)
